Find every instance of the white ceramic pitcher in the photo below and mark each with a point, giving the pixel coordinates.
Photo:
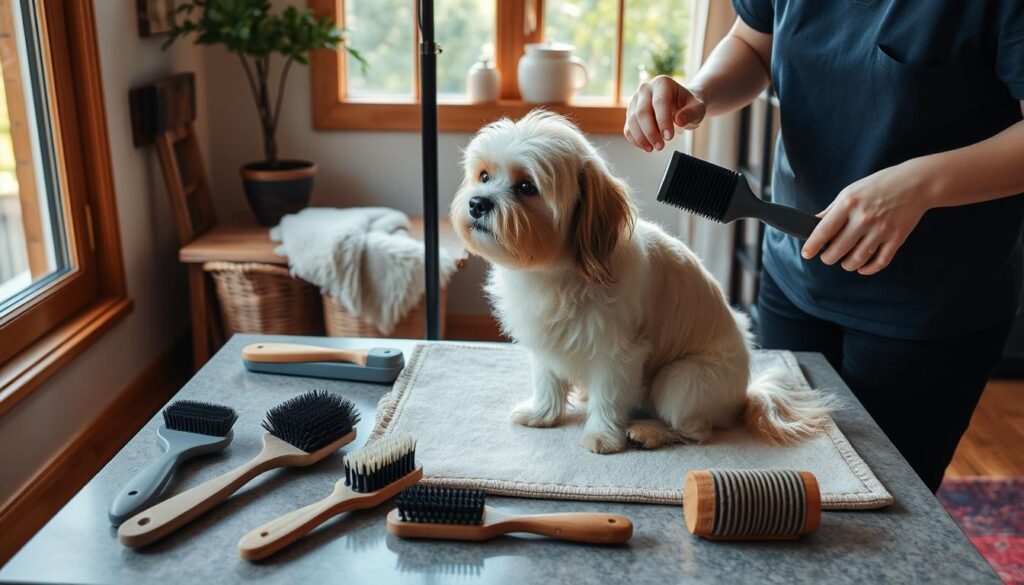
(550, 74)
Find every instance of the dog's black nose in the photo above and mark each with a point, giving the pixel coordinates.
(480, 206)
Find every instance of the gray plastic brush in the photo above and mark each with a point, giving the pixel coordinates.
(379, 364)
(190, 429)
(723, 195)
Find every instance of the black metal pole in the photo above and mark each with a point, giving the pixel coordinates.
(428, 129)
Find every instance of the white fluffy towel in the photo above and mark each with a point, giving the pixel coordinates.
(364, 257)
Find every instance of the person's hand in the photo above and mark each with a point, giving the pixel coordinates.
(869, 220)
(657, 107)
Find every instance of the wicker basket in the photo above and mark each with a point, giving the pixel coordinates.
(263, 298)
(340, 323)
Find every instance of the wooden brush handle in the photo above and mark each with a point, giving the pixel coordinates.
(576, 526)
(154, 523)
(284, 530)
(280, 353)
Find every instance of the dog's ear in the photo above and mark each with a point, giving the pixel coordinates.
(604, 214)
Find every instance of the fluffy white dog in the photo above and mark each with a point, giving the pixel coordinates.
(608, 303)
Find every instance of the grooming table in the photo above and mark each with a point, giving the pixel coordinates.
(913, 540)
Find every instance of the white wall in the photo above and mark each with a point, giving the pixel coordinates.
(372, 168)
(41, 424)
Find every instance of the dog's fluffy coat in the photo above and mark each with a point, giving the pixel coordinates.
(608, 303)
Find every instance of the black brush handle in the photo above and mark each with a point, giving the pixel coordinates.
(793, 221)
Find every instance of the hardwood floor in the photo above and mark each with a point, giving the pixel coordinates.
(994, 443)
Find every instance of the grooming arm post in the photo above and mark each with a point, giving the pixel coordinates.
(428, 128)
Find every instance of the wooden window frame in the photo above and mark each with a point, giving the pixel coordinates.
(61, 320)
(334, 110)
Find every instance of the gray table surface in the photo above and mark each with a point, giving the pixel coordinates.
(912, 541)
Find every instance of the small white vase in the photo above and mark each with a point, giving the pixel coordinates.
(550, 74)
(482, 82)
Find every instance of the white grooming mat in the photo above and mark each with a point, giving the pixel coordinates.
(455, 400)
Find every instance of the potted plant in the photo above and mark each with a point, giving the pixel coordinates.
(274, 186)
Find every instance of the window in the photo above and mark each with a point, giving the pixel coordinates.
(621, 42)
(33, 243)
(61, 278)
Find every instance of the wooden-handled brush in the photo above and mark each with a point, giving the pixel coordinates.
(190, 429)
(298, 353)
(723, 195)
(379, 364)
(373, 475)
(460, 514)
(300, 432)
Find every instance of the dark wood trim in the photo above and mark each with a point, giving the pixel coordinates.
(71, 313)
(26, 372)
(85, 63)
(473, 328)
(591, 117)
(88, 451)
(512, 36)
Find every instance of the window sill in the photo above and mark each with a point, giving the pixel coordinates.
(28, 370)
(593, 117)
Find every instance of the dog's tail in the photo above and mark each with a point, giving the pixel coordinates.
(783, 413)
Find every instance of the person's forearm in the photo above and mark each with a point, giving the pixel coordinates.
(733, 75)
(987, 170)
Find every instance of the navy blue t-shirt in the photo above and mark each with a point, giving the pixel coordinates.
(868, 84)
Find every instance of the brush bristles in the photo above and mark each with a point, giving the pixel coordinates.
(388, 460)
(441, 505)
(312, 420)
(698, 186)
(201, 418)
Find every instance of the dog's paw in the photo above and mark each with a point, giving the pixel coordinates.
(529, 415)
(647, 434)
(602, 443)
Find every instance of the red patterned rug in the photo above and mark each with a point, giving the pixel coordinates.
(990, 511)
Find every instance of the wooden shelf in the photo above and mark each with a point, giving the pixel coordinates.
(242, 240)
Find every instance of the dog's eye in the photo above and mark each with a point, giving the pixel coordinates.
(484, 177)
(525, 188)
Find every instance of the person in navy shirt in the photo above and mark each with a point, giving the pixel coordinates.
(901, 128)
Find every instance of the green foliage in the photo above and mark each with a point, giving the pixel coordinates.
(383, 30)
(653, 25)
(249, 30)
(667, 61)
(590, 26)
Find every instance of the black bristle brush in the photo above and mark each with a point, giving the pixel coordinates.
(373, 475)
(460, 514)
(300, 432)
(723, 195)
(190, 429)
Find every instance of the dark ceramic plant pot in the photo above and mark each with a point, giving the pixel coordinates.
(277, 189)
